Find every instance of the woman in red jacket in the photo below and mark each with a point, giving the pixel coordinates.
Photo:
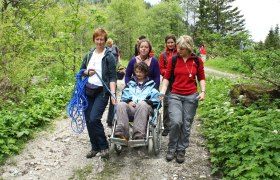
(184, 96)
(170, 43)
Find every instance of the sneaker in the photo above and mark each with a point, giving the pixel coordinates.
(170, 156)
(104, 153)
(91, 154)
(165, 132)
(180, 158)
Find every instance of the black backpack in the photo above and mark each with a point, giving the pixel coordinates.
(174, 61)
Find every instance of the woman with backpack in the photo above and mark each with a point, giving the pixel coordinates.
(170, 50)
(100, 66)
(182, 72)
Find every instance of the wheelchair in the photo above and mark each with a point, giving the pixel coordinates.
(152, 139)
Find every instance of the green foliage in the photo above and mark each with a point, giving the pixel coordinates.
(127, 20)
(243, 142)
(272, 40)
(38, 108)
(264, 65)
(34, 46)
(123, 17)
(220, 17)
(261, 65)
(163, 19)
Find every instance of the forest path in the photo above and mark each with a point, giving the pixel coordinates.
(60, 154)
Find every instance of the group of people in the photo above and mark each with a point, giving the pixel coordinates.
(179, 68)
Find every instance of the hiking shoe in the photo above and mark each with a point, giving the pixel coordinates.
(104, 153)
(91, 154)
(180, 158)
(165, 132)
(170, 156)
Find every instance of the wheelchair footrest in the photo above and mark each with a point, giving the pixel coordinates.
(119, 141)
(137, 143)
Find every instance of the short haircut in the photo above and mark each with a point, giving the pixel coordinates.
(143, 67)
(170, 36)
(186, 42)
(100, 32)
(144, 40)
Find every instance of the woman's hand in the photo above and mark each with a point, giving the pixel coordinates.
(201, 96)
(114, 99)
(132, 104)
(161, 96)
(89, 72)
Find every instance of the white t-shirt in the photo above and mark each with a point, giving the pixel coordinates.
(95, 63)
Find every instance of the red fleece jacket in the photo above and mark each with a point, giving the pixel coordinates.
(183, 83)
(162, 63)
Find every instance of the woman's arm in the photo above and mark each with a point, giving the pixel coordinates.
(129, 70)
(202, 85)
(164, 86)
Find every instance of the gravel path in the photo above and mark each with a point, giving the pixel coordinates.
(60, 154)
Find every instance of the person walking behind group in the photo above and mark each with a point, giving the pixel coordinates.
(116, 52)
(184, 96)
(99, 61)
(202, 52)
(170, 50)
(144, 48)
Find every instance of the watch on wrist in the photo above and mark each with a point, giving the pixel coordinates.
(203, 91)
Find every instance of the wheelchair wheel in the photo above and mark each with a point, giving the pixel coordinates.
(112, 147)
(150, 146)
(157, 136)
(118, 148)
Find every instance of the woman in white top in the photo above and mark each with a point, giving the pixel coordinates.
(99, 61)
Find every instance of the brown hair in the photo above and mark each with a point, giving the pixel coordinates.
(99, 32)
(144, 40)
(143, 67)
(170, 36)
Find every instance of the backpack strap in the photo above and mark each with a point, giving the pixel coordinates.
(164, 57)
(117, 50)
(196, 60)
(172, 77)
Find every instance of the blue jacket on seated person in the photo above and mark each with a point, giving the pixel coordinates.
(141, 92)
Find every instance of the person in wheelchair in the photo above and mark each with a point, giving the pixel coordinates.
(138, 99)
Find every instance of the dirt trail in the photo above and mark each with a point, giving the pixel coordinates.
(60, 154)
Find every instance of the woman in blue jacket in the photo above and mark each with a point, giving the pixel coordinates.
(137, 101)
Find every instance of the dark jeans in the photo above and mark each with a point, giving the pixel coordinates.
(93, 115)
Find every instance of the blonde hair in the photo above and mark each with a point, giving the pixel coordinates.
(186, 42)
(110, 41)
